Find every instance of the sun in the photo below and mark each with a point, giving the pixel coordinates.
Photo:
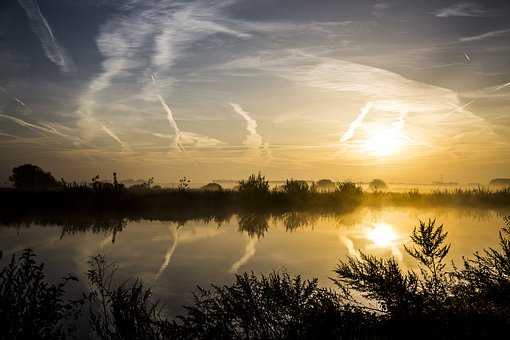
(382, 235)
(384, 142)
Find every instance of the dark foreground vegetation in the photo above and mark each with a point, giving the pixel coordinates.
(375, 299)
(37, 193)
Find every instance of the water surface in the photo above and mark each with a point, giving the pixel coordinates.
(174, 257)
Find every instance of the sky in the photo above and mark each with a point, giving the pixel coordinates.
(402, 90)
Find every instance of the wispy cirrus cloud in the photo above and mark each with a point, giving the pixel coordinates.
(463, 9)
(253, 139)
(53, 50)
(147, 40)
(110, 133)
(486, 35)
(41, 128)
(410, 103)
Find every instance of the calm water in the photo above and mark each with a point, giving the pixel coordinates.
(173, 258)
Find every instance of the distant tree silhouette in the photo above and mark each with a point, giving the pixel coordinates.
(30, 176)
(212, 187)
(377, 184)
(324, 185)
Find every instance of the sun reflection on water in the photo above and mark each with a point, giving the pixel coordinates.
(382, 235)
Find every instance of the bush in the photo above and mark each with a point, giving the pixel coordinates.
(124, 311)
(295, 187)
(277, 306)
(471, 301)
(254, 185)
(31, 308)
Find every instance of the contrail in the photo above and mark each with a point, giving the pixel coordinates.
(356, 123)
(501, 87)
(496, 89)
(114, 136)
(19, 101)
(249, 251)
(3, 134)
(36, 127)
(174, 239)
(253, 139)
(42, 29)
(169, 115)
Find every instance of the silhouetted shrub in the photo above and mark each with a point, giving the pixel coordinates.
(31, 308)
(254, 185)
(121, 311)
(277, 306)
(471, 301)
(295, 187)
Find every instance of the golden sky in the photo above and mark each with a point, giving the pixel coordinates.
(224, 88)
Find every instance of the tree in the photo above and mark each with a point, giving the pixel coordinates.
(212, 187)
(30, 176)
(377, 184)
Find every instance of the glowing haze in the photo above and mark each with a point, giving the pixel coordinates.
(222, 88)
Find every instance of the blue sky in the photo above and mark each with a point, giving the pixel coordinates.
(219, 89)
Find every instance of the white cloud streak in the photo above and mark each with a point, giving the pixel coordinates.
(42, 29)
(253, 139)
(356, 123)
(47, 129)
(169, 116)
(110, 133)
(486, 35)
(389, 93)
(462, 9)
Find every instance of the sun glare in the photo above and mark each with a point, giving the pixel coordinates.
(382, 235)
(384, 142)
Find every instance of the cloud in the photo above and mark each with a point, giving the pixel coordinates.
(253, 139)
(462, 9)
(356, 123)
(147, 40)
(47, 129)
(115, 137)
(190, 139)
(486, 35)
(169, 116)
(42, 29)
(424, 110)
